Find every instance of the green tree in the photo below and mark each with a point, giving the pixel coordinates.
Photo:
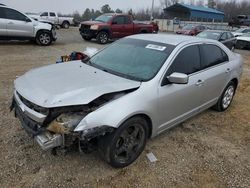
(87, 14)
(118, 11)
(211, 3)
(106, 9)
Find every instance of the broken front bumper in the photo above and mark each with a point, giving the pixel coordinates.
(46, 139)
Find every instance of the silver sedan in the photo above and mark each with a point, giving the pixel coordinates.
(125, 94)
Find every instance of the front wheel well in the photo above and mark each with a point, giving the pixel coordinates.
(235, 81)
(42, 30)
(148, 120)
(65, 21)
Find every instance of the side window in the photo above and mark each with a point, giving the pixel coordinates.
(127, 20)
(119, 20)
(212, 55)
(44, 14)
(52, 14)
(14, 15)
(2, 12)
(187, 61)
(224, 36)
(230, 35)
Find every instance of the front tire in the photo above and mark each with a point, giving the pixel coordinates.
(124, 146)
(226, 98)
(102, 37)
(44, 38)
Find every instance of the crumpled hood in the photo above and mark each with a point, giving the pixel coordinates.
(67, 84)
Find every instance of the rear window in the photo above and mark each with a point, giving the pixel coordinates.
(212, 55)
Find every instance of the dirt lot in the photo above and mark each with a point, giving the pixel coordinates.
(210, 150)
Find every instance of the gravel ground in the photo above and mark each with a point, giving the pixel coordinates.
(209, 150)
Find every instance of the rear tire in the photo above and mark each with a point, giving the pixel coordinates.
(65, 25)
(125, 144)
(102, 37)
(226, 98)
(44, 38)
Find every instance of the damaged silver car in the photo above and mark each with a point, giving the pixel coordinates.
(125, 94)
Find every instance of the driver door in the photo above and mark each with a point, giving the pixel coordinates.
(177, 102)
(117, 27)
(18, 25)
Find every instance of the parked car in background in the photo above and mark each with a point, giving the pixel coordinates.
(243, 42)
(225, 37)
(113, 26)
(15, 25)
(240, 20)
(192, 30)
(53, 18)
(131, 91)
(241, 32)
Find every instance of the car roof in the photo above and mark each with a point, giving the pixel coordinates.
(169, 38)
(217, 31)
(115, 14)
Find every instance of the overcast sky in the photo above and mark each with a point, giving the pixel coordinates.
(68, 6)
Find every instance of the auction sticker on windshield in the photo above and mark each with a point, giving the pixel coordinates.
(156, 47)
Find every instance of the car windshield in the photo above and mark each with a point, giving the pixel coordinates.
(209, 35)
(188, 27)
(103, 18)
(246, 35)
(240, 30)
(132, 58)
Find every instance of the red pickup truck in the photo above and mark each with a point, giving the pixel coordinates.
(113, 26)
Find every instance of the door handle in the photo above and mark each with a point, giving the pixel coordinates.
(10, 23)
(228, 70)
(199, 83)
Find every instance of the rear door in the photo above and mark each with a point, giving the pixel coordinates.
(177, 102)
(3, 22)
(215, 73)
(18, 25)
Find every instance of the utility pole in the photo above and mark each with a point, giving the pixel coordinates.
(152, 10)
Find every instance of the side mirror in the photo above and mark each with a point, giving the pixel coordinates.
(114, 23)
(178, 78)
(221, 39)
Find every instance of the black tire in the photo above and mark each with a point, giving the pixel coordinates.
(87, 38)
(44, 38)
(102, 37)
(126, 143)
(65, 25)
(226, 97)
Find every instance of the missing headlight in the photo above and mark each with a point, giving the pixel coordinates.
(65, 123)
